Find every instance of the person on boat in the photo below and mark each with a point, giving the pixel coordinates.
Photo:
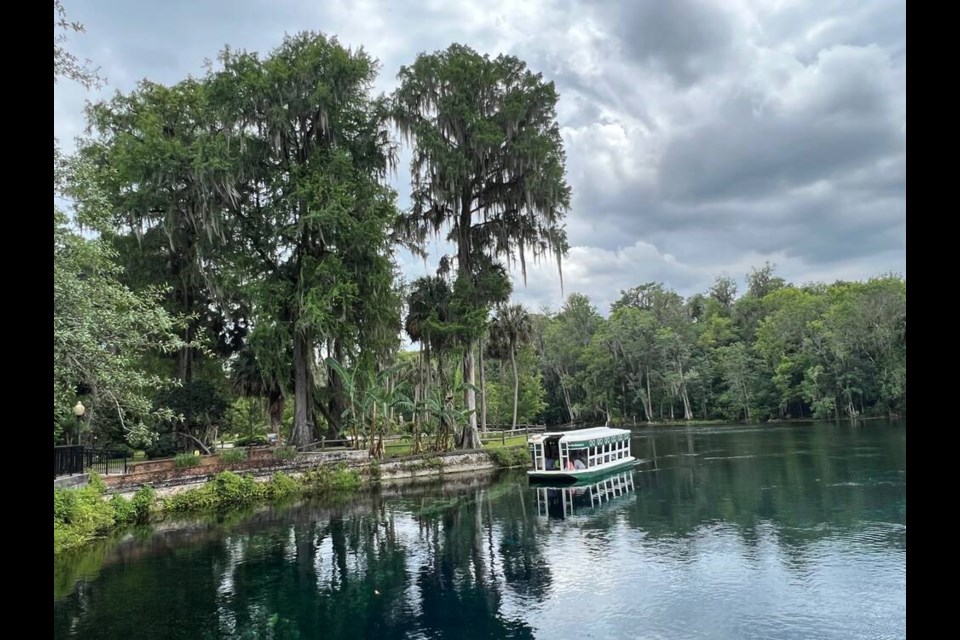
(578, 464)
(569, 464)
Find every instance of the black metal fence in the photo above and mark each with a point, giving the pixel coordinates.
(73, 459)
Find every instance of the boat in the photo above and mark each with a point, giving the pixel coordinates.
(581, 454)
(582, 498)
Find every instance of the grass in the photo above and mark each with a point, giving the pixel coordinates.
(402, 448)
(513, 441)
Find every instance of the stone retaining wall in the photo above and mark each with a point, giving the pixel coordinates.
(163, 473)
(77, 481)
(168, 480)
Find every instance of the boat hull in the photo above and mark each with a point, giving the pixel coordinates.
(571, 476)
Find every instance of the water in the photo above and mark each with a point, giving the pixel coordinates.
(723, 532)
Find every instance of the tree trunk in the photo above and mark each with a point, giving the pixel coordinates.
(687, 410)
(417, 402)
(275, 409)
(516, 386)
(648, 401)
(337, 403)
(471, 436)
(302, 391)
(375, 440)
(483, 393)
(566, 393)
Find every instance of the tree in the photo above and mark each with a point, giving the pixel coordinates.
(488, 165)
(253, 376)
(101, 329)
(154, 162)
(305, 151)
(565, 339)
(513, 329)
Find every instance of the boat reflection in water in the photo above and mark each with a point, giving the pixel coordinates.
(584, 497)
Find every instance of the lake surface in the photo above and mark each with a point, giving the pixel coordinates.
(792, 531)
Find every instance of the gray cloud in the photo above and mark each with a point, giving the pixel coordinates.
(702, 137)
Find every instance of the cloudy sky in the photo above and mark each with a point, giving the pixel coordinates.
(702, 138)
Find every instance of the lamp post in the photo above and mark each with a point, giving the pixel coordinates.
(79, 410)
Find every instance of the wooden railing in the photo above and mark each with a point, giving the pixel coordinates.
(493, 432)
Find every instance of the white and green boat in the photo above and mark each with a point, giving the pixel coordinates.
(582, 454)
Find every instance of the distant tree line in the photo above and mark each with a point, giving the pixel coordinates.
(778, 351)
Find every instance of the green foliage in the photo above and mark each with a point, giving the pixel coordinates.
(232, 456)
(100, 330)
(499, 389)
(185, 460)
(251, 441)
(200, 409)
(779, 351)
(144, 502)
(506, 457)
(96, 482)
(80, 515)
(279, 486)
(246, 418)
(485, 139)
(334, 479)
(164, 445)
(123, 510)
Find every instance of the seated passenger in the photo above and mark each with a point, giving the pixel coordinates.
(578, 464)
(569, 464)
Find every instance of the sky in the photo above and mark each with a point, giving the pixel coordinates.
(703, 138)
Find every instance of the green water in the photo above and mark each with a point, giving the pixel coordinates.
(792, 531)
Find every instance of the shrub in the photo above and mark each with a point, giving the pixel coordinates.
(509, 456)
(251, 441)
(143, 503)
(280, 485)
(338, 478)
(233, 456)
(123, 511)
(164, 447)
(232, 489)
(96, 482)
(80, 515)
(199, 499)
(185, 460)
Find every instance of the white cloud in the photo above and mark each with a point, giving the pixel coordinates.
(703, 138)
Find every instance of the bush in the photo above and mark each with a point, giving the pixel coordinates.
(251, 441)
(184, 460)
(123, 511)
(510, 456)
(338, 478)
(164, 447)
(232, 489)
(232, 456)
(280, 485)
(199, 499)
(143, 504)
(226, 489)
(79, 515)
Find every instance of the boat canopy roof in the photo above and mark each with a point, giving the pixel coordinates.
(583, 438)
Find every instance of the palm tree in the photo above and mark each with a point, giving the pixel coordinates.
(249, 379)
(427, 323)
(513, 329)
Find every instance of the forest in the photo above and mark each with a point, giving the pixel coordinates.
(226, 265)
